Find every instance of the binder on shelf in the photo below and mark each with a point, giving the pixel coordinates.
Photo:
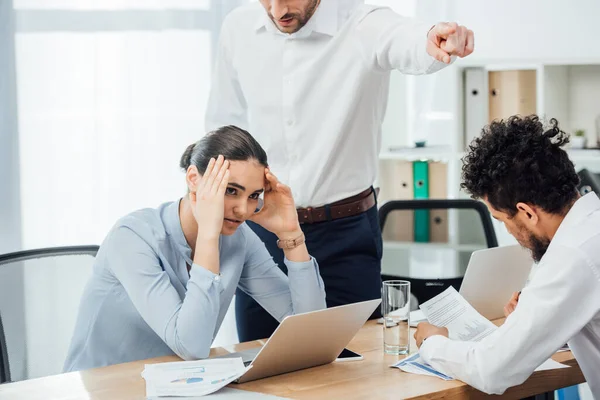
(476, 102)
(421, 185)
(396, 183)
(438, 189)
(511, 93)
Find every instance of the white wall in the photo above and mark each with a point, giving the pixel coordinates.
(11, 279)
(10, 219)
(584, 96)
(530, 29)
(103, 125)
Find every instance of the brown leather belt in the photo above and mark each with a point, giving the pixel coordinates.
(340, 209)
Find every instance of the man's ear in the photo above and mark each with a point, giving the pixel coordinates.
(192, 178)
(528, 213)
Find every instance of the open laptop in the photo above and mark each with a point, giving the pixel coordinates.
(493, 275)
(306, 340)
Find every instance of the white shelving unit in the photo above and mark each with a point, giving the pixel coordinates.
(432, 108)
(567, 91)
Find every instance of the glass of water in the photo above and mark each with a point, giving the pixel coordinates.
(396, 311)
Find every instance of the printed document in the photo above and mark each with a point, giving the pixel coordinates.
(449, 309)
(191, 378)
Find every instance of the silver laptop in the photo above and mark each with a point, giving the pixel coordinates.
(493, 275)
(306, 340)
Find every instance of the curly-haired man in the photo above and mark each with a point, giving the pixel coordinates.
(518, 168)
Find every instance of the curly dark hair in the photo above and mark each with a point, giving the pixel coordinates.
(520, 160)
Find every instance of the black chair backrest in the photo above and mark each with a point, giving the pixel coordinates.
(4, 370)
(25, 255)
(590, 182)
(433, 204)
(424, 289)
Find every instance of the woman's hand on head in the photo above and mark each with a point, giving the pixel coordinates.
(278, 214)
(208, 200)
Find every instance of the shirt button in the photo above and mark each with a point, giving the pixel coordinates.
(217, 278)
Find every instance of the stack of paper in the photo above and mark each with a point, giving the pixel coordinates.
(449, 309)
(191, 378)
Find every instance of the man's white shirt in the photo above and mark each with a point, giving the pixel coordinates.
(315, 100)
(560, 305)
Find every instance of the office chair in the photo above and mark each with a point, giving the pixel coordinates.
(590, 182)
(425, 289)
(30, 269)
(4, 370)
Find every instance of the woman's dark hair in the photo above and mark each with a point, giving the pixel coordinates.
(233, 143)
(519, 160)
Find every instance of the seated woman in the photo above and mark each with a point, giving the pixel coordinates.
(164, 278)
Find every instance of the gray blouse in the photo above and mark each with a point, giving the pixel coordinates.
(140, 301)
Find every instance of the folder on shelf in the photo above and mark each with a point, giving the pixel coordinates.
(396, 183)
(438, 189)
(511, 93)
(421, 185)
(476, 102)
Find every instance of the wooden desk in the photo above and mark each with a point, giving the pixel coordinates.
(370, 378)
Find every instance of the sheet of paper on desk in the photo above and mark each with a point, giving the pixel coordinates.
(449, 309)
(191, 378)
(415, 365)
(551, 364)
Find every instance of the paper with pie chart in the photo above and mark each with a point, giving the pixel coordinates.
(191, 378)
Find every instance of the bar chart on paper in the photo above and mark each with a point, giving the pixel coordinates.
(474, 331)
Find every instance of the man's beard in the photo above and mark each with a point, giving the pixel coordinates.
(538, 247)
(301, 18)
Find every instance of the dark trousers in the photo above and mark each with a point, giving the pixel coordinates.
(348, 251)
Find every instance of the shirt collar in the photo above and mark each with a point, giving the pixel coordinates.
(324, 20)
(170, 217)
(583, 207)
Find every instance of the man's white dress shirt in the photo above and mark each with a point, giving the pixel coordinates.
(315, 100)
(560, 305)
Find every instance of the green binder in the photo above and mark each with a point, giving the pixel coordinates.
(421, 182)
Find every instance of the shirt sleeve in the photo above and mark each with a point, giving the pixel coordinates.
(302, 290)
(226, 102)
(187, 325)
(391, 41)
(551, 311)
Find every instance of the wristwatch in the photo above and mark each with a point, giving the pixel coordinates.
(288, 244)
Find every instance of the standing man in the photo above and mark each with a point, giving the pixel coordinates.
(310, 79)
